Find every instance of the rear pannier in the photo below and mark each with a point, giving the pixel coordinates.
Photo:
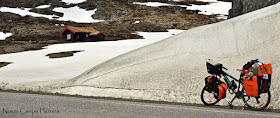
(251, 86)
(209, 82)
(264, 69)
(260, 80)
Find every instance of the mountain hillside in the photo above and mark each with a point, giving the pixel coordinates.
(121, 19)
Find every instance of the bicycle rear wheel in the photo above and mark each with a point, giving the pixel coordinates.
(208, 98)
(257, 103)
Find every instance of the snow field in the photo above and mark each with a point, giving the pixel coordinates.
(38, 67)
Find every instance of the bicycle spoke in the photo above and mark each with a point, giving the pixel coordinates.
(208, 98)
(257, 103)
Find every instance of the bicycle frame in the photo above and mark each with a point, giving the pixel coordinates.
(229, 84)
(237, 93)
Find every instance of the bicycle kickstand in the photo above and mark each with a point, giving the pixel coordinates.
(230, 103)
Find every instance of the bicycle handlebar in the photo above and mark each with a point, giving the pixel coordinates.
(256, 60)
(224, 68)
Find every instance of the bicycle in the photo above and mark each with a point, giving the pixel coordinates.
(209, 97)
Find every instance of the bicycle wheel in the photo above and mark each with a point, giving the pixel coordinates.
(208, 98)
(257, 103)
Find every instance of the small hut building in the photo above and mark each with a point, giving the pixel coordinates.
(74, 34)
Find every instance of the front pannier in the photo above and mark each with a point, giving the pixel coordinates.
(213, 67)
(220, 89)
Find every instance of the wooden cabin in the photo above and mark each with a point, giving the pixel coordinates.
(74, 34)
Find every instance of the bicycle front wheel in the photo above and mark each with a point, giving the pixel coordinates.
(257, 103)
(208, 98)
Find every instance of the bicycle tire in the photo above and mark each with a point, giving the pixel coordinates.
(211, 94)
(252, 104)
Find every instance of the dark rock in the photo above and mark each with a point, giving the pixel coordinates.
(2, 64)
(63, 54)
(240, 7)
(47, 11)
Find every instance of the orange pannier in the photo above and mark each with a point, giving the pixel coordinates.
(222, 91)
(264, 69)
(211, 80)
(251, 86)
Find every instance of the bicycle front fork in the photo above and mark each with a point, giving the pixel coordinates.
(238, 95)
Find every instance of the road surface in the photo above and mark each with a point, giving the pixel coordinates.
(25, 105)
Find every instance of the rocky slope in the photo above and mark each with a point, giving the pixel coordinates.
(120, 15)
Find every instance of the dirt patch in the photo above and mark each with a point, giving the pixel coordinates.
(63, 54)
(2, 64)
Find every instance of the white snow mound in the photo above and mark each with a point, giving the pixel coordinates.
(174, 69)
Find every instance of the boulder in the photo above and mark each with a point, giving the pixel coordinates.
(240, 7)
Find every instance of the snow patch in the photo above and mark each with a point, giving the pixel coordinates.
(175, 31)
(215, 7)
(73, 1)
(25, 12)
(76, 14)
(43, 6)
(136, 22)
(3, 35)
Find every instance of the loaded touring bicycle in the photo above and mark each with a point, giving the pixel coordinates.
(252, 86)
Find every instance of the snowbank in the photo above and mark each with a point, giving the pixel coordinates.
(174, 69)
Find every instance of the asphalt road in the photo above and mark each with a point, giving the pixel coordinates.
(23, 105)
